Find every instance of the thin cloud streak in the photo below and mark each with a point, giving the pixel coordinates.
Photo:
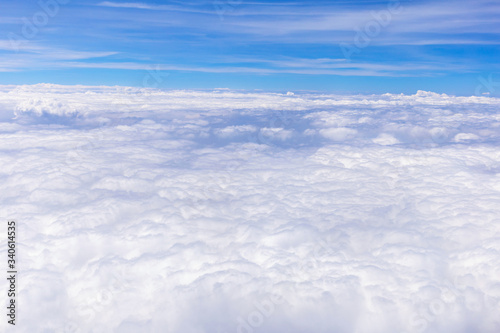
(344, 70)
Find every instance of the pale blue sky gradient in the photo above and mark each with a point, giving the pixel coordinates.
(340, 46)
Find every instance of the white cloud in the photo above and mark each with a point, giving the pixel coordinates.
(276, 133)
(386, 140)
(235, 130)
(135, 216)
(461, 137)
(45, 106)
(338, 133)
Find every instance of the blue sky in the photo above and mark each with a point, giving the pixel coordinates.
(337, 46)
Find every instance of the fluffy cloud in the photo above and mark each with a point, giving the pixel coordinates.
(189, 211)
(338, 133)
(235, 130)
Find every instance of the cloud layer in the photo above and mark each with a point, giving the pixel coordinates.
(143, 210)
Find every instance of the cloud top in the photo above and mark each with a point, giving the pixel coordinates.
(143, 210)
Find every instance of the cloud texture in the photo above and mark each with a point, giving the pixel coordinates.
(143, 210)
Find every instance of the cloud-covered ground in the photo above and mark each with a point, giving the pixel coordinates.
(143, 210)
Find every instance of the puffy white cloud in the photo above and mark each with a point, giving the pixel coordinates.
(276, 133)
(138, 215)
(386, 139)
(338, 133)
(235, 130)
(461, 137)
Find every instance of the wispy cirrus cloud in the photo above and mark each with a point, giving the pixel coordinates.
(32, 56)
(285, 67)
(421, 38)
